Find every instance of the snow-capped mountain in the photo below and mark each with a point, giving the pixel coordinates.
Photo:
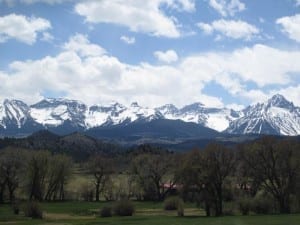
(13, 113)
(214, 118)
(115, 113)
(54, 112)
(275, 116)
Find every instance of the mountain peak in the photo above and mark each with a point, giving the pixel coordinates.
(276, 116)
(134, 104)
(168, 107)
(13, 101)
(195, 107)
(54, 102)
(279, 100)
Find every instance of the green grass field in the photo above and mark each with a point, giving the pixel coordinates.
(147, 213)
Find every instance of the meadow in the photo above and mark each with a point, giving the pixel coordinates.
(147, 213)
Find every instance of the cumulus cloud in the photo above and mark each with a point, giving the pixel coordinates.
(138, 16)
(291, 26)
(235, 29)
(227, 7)
(128, 40)
(84, 71)
(22, 28)
(168, 56)
(50, 2)
(81, 45)
(46, 36)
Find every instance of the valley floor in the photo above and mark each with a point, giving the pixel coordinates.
(84, 213)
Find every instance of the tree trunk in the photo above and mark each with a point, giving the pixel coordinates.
(219, 202)
(62, 192)
(207, 208)
(11, 195)
(2, 189)
(97, 191)
(284, 205)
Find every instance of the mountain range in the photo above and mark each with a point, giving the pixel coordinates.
(276, 116)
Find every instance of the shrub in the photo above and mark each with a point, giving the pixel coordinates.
(245, 206)
(16, 208)
(106, 211)
(33, 210)
(228, 212)
(180, 211)
(262, 205)
(173, 203)
(124, 208)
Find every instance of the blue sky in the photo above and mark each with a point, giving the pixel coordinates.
(224, 53)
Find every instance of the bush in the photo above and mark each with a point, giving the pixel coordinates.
(180, 211)
(106, 211)
(262, 205)
(245, 206)
(228, 212)
(124, 208)
(33, 210)
(16, 208)
(173, 203)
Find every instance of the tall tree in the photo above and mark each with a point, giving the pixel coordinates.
(60, 168)
(150, 171)
(11, 166)
(190, 175)
(37, 168)
(218, 164)
(101, 168)
(275, 164)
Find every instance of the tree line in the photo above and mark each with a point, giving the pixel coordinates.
(266, 170)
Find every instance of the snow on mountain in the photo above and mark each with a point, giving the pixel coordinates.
(169, 111)
(214, 118)
(99, 115)
(116, 113)
(54, 112)
(13, 113)
(275, 116)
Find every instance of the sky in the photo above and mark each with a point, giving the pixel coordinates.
(222, 53)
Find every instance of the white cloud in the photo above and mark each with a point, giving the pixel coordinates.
(50, 2)
(183, 5)
(291, 26)
(235, 29)
(138, 16)
(168, 56)
(47, 37)
(85, 72)
(227, 7)
(21, 28)
(81, 45)
(128, 40)
(206, 28)
(297, 2)
(236, 107)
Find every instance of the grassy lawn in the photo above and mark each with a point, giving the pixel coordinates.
(147, 213)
